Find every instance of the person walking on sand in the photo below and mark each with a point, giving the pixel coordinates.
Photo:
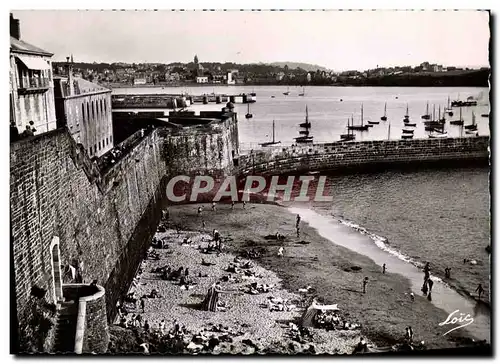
(232, 205)
(298, 221)
(480, 291)
(365, 282)
(244, 204)
(213, 206)
(200, 209)
(280, 251)
(383, 269)
(412, 297)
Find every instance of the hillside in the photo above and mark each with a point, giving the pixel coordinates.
(305, 66)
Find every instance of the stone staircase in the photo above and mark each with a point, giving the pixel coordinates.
(66, 328)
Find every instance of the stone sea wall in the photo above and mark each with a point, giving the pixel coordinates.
(365, 155)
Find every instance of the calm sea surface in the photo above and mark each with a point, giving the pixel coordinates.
(439, 216)
(328, 115)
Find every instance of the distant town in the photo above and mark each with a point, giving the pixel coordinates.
(214, 73)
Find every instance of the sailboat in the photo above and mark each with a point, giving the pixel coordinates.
(306, 125)
(406, 120)
(302, 93)
(448, 109)
(459, 121)
(362, 127)
(273, 142)
(426, 116)
(384, 118)
(349, 135)
(438, 132)
(248, 115)
(287, 92)
(441, 119)
(473, 126)
(433, 123)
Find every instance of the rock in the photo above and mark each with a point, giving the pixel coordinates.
(356, 268)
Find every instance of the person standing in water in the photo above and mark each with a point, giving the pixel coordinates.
(383, 268)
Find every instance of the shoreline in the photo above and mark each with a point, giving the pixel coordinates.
(386, 246)
(309, 264)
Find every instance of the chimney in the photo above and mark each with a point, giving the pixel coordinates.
(15, 30)
(71, 86)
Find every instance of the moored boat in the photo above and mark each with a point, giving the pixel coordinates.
(273, 142)
(362, 127)
(384, 118)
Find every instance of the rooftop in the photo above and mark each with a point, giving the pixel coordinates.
(20, 46)
(81, 86)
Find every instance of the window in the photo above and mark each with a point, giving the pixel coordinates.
(105, 106)
(107, 141)
(88, 111)
(90, 150)
(93, 109)
(99, 145)
(95, 148)
(83, 112)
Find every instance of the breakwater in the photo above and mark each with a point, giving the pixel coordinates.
(366, 155)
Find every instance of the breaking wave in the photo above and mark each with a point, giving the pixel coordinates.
(383, 243)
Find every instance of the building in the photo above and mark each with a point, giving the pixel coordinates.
(140, 81)
(202, 79)
(280, 76)
(425, 66)
(230, 80)
(31, 84)
(438, 68)
(85, 109)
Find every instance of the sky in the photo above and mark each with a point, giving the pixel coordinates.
(338, 40)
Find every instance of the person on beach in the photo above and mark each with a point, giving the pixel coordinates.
(162, 327)
(280, 251)
(232, 205)
(298, 221)
(480, 291)
(383, 268)
(200, 209)
(216, 235)
(244, 204)
(448, 273)
(365, 282)
(429, 296)
(430, 283)
(412, 297)
(424, 287)
(298, 232)
(213, 206)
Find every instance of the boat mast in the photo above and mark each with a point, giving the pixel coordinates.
(389, 131)
(361, 114)
(461, 114)
(385, 109)
(273, 130)
(448, 101)
(433, 112)
(427, 109)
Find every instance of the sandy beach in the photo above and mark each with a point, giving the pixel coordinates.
(335, 274)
